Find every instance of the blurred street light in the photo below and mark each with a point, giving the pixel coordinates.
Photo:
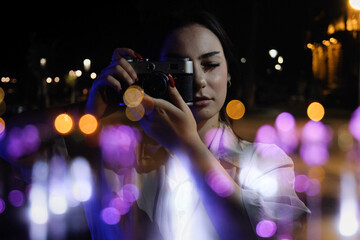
(78, 73)
(87, 64)
(93, 75)
(273, 53)
(43, 62)
(355, 4)
(5, 79)
(278, 67)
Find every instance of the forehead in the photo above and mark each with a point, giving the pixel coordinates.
(191, 40)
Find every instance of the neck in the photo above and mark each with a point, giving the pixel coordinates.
(204, 126)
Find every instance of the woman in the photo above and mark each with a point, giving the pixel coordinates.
(183, 173)
(230, 187)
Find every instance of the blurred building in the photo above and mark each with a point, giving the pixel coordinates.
(336, 60)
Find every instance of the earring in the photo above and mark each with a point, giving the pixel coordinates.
(229, 83)
(229, 80)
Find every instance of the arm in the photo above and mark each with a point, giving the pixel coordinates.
(173, 126)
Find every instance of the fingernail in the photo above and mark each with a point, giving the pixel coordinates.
(171, 80)
(138, 55)
(136, 79)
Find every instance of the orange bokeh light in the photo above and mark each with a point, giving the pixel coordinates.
(315, 111)
(235, 109)
(2, 94)
(63, 123)
(2, 125)
(136, 113)
(88, 124)
(133, 96)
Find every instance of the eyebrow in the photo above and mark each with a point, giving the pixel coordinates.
(209, 54)
(205, 55)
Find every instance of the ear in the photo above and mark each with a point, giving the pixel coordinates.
(229, 77)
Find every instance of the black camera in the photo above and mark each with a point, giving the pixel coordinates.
(154, 79)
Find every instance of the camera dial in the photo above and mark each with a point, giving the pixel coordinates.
(151, 66)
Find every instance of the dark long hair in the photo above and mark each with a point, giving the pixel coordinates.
(179, 19)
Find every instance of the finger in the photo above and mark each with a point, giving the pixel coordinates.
(124, 75)
(160, 109)
(128, 68)
(127, 74)
(113, 82)
(176, 98)
(123, 52)
(148, 104)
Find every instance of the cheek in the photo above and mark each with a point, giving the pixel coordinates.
(218, 81)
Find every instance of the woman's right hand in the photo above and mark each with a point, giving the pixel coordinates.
(118, 74)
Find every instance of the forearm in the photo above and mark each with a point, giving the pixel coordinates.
(221, 196)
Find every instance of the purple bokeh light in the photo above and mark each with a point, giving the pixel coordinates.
(219, 183)
(120, 204)
(311, 187)
(129, 193)
(285, 122)
(314, 154)
(315, 132)
(266, 228)
(354, 125)
(315, 139)
(301, 183)
(16, 198)
(288, 141)
(266, 134)
(2, 205)
(110, 215)
(31, 138)
(314, 187)
(23, 141)
(118, 145)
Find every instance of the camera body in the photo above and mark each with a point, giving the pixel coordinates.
(154, 79)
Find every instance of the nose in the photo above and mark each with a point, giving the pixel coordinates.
(199, 78)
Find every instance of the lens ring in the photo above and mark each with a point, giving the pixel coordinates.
(156, 84)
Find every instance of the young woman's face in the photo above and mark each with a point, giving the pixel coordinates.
(210, 68)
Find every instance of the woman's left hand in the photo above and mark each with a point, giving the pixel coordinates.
(171, 124)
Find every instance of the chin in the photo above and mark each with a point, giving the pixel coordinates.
(203, 114)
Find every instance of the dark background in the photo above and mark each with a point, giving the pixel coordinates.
(67, 34)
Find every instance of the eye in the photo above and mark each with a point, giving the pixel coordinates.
(210, 65)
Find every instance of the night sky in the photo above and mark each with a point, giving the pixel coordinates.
(67, 34)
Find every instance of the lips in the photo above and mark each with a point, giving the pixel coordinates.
(200, 98)
(201, 101)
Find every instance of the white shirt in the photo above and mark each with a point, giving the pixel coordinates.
(171, 201)
(264, 172)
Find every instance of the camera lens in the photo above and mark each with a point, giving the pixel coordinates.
(156, 84)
